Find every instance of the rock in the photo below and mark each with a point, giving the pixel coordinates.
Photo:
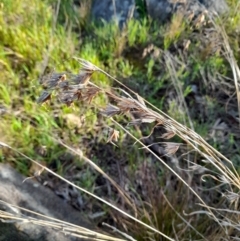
(117, 10)
(33, 196)
(219, 6)
(160, 10)
(8, 232)
(164, 9)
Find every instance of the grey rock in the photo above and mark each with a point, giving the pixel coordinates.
(33, 196)
(117, 10)
(219, 6)
(160, 10)
(164, 9)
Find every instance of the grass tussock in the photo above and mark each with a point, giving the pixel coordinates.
(139, 113)
(156, 147)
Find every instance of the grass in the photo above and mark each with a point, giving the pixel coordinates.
(188, 89)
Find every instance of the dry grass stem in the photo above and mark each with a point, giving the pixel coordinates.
(59, 225)
(141, 111)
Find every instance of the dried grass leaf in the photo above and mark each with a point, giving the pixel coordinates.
(52, 80)
(232, 197)
(35, 169)
(171, 147)
(140, 99)
(76, 87)
(45, 96)
(111, 110)
(127, 104)
(83, 77)
(113, 135)
(142, 117)
(149, 119)
(135, 122)
(145, 119)
(168, 135)
(90, 93)
(86, 64)
(68, 97)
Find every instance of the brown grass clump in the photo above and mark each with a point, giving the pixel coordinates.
(153, 202)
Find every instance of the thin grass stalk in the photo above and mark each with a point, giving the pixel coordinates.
(183, 219)
(124, 195)
(62, 226)
(231, 59)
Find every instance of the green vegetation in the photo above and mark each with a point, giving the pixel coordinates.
(183, 68)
